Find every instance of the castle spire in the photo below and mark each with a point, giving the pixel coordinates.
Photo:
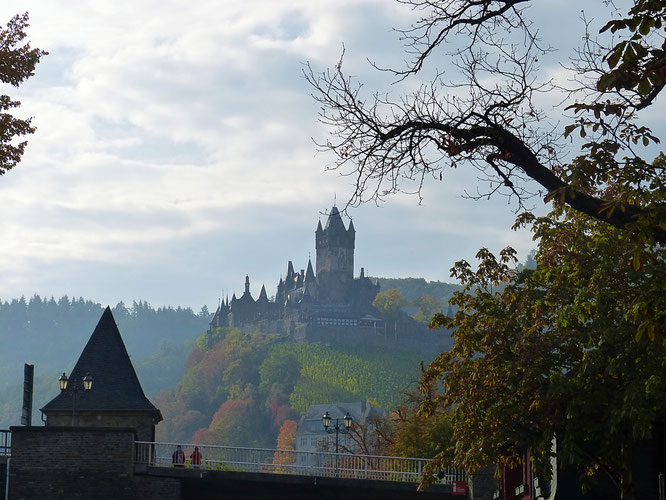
(309, 274)
(247, 283)
(334, 222)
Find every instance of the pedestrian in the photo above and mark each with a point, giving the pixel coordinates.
(195, 457)
(178, 457)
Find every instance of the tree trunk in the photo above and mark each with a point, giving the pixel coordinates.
(626, 478)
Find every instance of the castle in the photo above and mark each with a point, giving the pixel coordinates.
(325, 305)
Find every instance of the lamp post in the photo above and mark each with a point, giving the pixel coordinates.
(64, 382)
(337, 429)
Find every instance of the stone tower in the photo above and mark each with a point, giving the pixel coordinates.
(335, 258)
(116, 398)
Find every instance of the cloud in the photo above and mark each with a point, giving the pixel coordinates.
(174, 155)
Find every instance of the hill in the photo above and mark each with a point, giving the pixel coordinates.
(239, 388)
(414, 288)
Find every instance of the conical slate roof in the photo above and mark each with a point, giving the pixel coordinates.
(309, 274)
(115, 384)
(263, 296)
(334, 222)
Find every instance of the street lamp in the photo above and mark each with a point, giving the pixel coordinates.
(337, 429)
(64, 382)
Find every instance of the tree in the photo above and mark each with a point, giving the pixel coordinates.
(17, 64)
(279, 372)
(428, 305)
(487, 117)
(567, 350)
(240, 423)
(418, 435)
(389, 304)
(286, 440)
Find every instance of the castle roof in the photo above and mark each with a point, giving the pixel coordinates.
(334, 222)
(263, 296)
(309, 274)
(115, 384)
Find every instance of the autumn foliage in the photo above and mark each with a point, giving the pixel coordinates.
(286, 441)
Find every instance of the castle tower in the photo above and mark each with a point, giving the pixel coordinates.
(116, 398)
(335, 258)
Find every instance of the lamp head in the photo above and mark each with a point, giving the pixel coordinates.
(87, 382)
(348, 421)
(63, 381)
(326, 420)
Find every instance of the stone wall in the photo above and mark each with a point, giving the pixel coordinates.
(71, 463)
(142, 422)
(148, 487)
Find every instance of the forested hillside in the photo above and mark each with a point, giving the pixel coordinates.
(238, 389)
(51, 334)
(415, 288)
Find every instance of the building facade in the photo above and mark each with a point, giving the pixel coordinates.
(311, 436)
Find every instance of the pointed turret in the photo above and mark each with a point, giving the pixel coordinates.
(115, 390)
(263, 296)
(351, 229)
(334, 222)
(290, 272)
(247, 283)
(309, 274)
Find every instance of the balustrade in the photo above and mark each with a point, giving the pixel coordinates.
(307, 463)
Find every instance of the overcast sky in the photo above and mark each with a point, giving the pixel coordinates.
(174, 151)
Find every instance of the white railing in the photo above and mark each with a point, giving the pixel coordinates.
(5, 442)
(307, 463)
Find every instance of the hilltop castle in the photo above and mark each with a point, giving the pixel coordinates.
(330, 304)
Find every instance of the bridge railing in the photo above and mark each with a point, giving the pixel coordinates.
(5, 442)
(309, 463)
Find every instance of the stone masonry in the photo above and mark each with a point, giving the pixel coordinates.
(71, 463)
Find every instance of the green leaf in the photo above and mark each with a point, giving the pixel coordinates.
(615, 56)
(644, 87)
(568, 129)
(645, 26)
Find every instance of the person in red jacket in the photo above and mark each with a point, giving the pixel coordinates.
(178, 457)
(195, 457)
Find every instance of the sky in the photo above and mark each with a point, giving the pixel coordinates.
(174, 151)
